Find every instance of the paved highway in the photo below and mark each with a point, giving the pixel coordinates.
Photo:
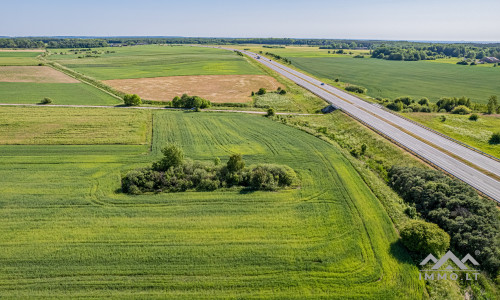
(476, 169)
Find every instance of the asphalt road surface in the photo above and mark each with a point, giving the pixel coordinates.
(476, 169)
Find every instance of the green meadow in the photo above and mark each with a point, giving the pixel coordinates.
(18, 58)
(60, 93)
(474, 133)
(155, 61)
(66, 229)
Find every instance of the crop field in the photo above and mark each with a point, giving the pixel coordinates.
(73, 126)
(156, 61)
(39, 74)
(67, 231)
(391, 79)
(19, 58)
(60, 93)
(474, 133)
(216, 88)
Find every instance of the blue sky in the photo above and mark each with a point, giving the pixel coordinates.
(385, 19)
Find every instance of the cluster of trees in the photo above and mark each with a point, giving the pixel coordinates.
(132, 100)
(20, 43)
(174, 173)
(417, 51)
(454, 105)
(190, 102)
(277, 57)
(472, 222)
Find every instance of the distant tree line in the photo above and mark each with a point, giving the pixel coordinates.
(472, 222)
(174, 173)
(416, 52)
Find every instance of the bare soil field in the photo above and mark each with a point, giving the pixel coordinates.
(39, 74)
(216, 88)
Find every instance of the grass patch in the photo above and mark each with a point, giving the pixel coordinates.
(66, 232)
(474, 133)
(60, 93)
(156, 61)
(73, 126)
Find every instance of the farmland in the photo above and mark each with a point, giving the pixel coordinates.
(66, 229)
(156, 61)
(18, 58)
(392, 79)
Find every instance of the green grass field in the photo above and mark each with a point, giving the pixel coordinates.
(391, 79)
(474, 133)
(73, 126)
(156, 61)
(60, 93)
(18, 58)
(65, 230)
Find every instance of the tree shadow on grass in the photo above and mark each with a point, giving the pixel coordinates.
(399, 251)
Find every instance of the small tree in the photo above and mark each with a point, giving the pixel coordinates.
(423, 101)
(270, 112)
(495, 138)
(424, 238)
(363, 149)
(235, 163)
(173, 157)
(282, 92)
(262, 91)
(132, 100)
(46, 100)
(492, 104)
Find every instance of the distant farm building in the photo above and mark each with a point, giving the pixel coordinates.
(491, 60)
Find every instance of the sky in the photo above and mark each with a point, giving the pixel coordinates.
(436, 20)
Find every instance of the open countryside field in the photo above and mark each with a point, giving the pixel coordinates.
(392, 79)
(73, 126)
(19, 58)
(40, 74)
(216, 88)
(60, 93)
(474, 133)
(67, 231)
(155, 61)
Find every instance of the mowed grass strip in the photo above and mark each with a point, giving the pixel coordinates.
(156, 61)
(73, 126)
(18, 58)
(417, 79)
(67, 232)
(60, 93)
(216, 88)
(474, 133)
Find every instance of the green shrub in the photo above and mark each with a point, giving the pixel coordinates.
(46, 100)
(461, 110)
(424, 238)
(474, 117)
(132, 100)
(356, 89)
(270, 112)
(173, 156)
(187, 101)
(261, 91)
(495, 138)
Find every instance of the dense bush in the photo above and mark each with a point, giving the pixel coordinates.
(424, 238)
(190, 102)
(395, 106)
(46, 100)
(261, 91)
(474, 117)
(495, 138)
(461, 110)
(173, 173)
(355, 89)
(472, 222)
(132, 100)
